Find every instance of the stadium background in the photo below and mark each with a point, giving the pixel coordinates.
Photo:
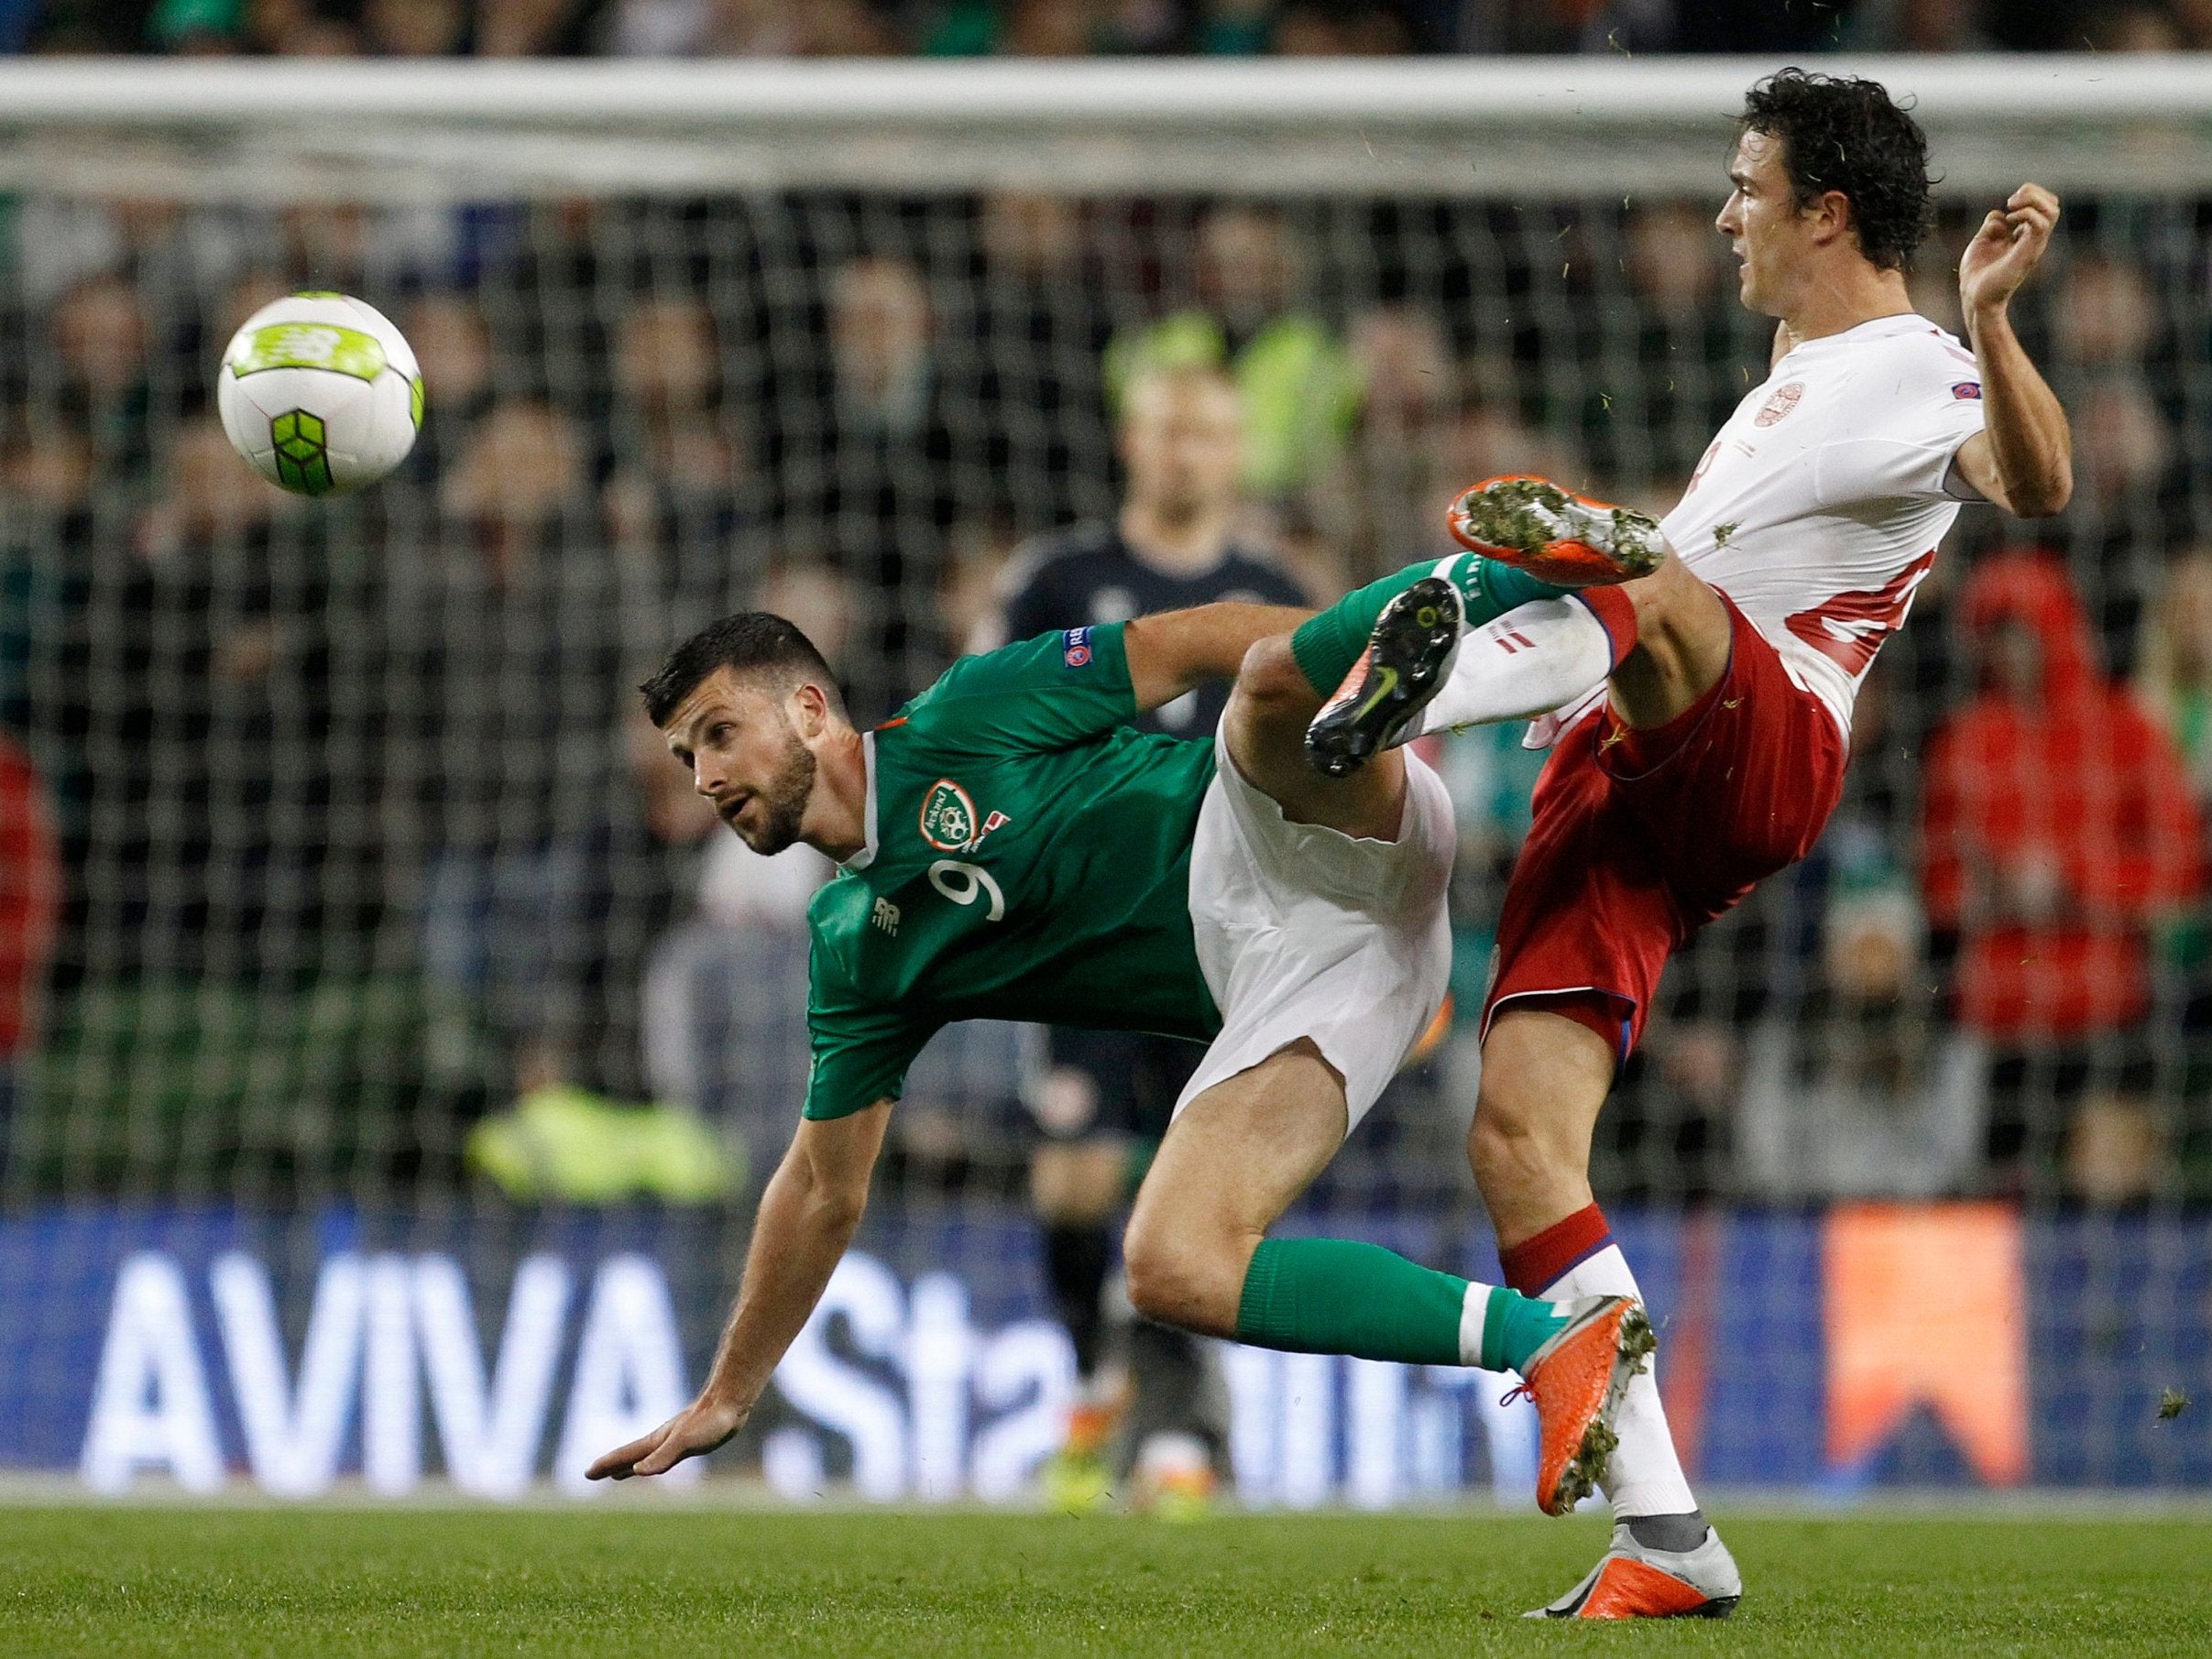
(329, 832)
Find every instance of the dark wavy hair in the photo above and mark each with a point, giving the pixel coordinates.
(1839, 133)
(751, 642)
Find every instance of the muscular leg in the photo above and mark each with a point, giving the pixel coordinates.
(1682, 637)
(1269, 709)
(1197, 1255)
(1544, 1078)
(1663, 640)
(1284, 681)
(1231, 1164)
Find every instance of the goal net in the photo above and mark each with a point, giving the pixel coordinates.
(391, 1055)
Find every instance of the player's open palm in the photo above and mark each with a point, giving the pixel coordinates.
(693, 1432)
(2009, 245)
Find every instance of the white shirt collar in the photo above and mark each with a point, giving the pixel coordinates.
(1874, 328)
(867, 855)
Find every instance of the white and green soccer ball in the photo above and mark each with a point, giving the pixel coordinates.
(321, 393)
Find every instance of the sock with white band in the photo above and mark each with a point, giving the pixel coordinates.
(1534, 659)
(1645, 1479)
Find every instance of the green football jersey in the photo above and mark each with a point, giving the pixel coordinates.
(1028, 857)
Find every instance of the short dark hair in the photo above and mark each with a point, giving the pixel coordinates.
(1839, 133)
(751, 642)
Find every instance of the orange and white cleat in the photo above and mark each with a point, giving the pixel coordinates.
(1554, 534)
(1577, 1380)
(1077, 1478)
(1635, 1581)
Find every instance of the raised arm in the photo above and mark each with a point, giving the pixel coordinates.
(2023, 457)
(807, 1217)
(1177, 652)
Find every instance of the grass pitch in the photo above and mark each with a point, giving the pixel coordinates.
(330, 1584)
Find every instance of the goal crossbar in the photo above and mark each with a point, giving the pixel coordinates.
(1426, 127)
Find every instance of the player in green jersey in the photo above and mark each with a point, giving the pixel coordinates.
(1012, 849)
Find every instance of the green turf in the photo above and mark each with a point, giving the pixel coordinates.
(333, 1583)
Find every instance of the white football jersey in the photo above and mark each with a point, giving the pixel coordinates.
(1819, 506)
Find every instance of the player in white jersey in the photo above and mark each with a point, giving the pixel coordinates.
(1696, 680)
(1819, 506)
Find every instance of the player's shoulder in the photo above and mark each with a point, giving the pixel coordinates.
(1910, 355)
(979, 691)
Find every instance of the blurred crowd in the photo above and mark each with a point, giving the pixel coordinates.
(330, 828)
(1062, 29)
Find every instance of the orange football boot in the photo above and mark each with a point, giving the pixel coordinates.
(1633, 1581)
(1555, 535)
(1577, 1380)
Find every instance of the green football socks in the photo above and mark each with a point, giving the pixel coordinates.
(1336, 1296)
(1328, 645)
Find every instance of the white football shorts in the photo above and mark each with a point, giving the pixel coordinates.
(1306, 932)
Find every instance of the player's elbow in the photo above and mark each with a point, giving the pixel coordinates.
(2043, 497)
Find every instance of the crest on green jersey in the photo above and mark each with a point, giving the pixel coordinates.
(948, 817)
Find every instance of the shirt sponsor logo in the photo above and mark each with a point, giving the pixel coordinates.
(1784, 400)
(1075, 648)
(1966, 392)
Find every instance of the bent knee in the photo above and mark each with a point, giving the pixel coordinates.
(1512, 1136)
(1679, 614)
(1184, 1277)
(1270, 674)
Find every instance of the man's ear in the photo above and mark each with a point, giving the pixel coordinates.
(1832, 214)
(809, 710)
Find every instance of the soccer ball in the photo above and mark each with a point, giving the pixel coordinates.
(321, 393)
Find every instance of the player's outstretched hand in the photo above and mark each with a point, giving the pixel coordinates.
(693, 1432)
(2008, 247)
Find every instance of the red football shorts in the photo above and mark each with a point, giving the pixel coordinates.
(1640, 838)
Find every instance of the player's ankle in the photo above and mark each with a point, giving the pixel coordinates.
(1515, 1328)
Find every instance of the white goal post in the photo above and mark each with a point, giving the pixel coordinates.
(1415, 127)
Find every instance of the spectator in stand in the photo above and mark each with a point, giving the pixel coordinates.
(30, 904)
(1325, 28)
(672, 490)
(530, 28)
(1690, 345)
(1854, 1090)
(2104, 315)
(1589, 26)
(1920, 25)
(1040, 322)
(414, 29)
(1105, 1094)
(2138, 26)
(877, 479)
(1300, 387)
(100, 337)
(1408, 394)
(448, 329)
(510, 646)
(1233, 28)
(2125, 455)
(2173, 682)
(2059, 833)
